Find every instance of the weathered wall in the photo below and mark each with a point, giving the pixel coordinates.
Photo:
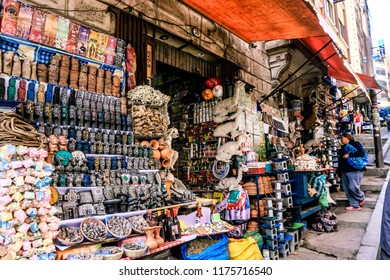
(178, 19)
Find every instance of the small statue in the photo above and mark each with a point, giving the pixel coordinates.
(53, 143)
(92, 147)
(78, 180)
(69, 180)
(71, 145)
(63, 143)
(93, 180)
(86, 180)
(62, 180)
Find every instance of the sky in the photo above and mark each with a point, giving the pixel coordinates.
(380, 29)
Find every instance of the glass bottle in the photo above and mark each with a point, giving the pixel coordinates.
(170, 226)
(176, 225)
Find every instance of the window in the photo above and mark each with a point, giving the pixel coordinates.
(329, 9)
(342, 30)
(381, 71)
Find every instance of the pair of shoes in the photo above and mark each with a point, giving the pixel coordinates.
(361, 203)
(351, 208)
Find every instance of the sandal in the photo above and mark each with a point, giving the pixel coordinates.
(361, 203)
(351, 208)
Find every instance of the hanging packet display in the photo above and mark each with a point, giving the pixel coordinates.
(110, 51)
(50, 31)
(92, 44)
(10, 17)
(62, 33)
(24, 22)
(83, 40)
(73, 38)
(101, 47)
(37, 26)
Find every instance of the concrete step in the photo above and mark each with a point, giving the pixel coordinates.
(376, 172)
(355, 219)
(342, 201)
(370, 183)
(369, 149)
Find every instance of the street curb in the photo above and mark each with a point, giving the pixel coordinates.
(370, 244)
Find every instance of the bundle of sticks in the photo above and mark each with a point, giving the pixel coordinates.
(14, 131)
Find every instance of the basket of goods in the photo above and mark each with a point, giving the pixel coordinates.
(93, 229)
(138, 223)
(85, 256)
(134, 249)
(118, 227)
(111, 253)
(69, 236)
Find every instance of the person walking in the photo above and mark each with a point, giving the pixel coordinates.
(351, 166)
(358, 122)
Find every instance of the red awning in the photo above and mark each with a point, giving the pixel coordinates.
(369, 81)
(261, 20)
(336, 66)
(255, 20)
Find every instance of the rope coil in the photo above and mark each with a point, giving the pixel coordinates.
(14, 131)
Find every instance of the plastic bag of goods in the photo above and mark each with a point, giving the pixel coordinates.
(206, 248)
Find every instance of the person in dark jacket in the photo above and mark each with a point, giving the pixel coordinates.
(351, 176)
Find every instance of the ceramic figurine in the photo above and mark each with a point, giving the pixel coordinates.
(63, 143)
(53, 144)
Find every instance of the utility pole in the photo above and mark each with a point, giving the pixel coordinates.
(376, 130)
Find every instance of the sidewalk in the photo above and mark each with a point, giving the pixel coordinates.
(358, 232)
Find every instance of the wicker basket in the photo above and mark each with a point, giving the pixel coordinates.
(97, 222)
(116, 256)
(60, 241)
(120, 236)
(134, 253)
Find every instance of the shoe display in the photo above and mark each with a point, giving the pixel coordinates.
(351, 208)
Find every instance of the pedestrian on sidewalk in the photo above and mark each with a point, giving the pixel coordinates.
(358, 122)
(351, 166)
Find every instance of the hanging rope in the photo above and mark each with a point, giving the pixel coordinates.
(13, 130)
(220, 172)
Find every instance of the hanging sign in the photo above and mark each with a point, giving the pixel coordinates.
(149, 61)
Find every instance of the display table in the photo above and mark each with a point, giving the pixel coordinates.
(305, 204)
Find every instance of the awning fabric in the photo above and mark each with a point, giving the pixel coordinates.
(369, 81)
(259, 20)
(254, 20)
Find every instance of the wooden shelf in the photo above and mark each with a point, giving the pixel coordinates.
(55, 50)
(170, 206)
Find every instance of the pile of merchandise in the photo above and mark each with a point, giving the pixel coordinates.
(27, 221)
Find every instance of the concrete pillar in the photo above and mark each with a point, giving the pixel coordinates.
(376, 128)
